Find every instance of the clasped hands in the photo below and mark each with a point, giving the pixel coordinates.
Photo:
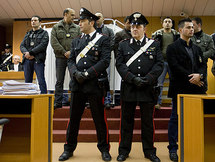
(196, 79)
(80, 76)
(140, 81)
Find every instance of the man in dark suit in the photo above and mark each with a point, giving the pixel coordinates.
(16, 65)
(139, 62)
(188, 70)
(89, 58)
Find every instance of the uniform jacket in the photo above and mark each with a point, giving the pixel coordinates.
(61, 38)
(95, 63)
(11, 67)
(206, 44)
(3, 65)
(181, 66)
(38, 49)
(121, 35)
(149, 64)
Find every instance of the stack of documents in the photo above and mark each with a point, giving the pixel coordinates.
(12, 87)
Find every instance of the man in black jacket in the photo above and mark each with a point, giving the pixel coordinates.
(188, 70)
(89, 58)
(139, 62)
(33, 48)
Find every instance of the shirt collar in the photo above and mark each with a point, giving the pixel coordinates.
(185, 43)
(141, 40)
(92, 33)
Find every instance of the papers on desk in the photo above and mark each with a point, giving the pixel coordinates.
(12, 87)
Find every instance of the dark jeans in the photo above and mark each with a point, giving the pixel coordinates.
(29, 67)
(61, 65)
(173, 128)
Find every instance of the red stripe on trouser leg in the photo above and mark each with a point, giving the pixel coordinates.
(67, 128)
(105, 119)
(120, 126)
(153, 125)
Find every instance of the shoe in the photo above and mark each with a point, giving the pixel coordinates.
(107, 106)
(158, 106)
(121, 157)
(57, 105)
(152, 157)
(66, 103)
(106, 156)
(65, 155)
(173, 156)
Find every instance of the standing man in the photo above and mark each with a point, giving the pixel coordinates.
(33, 48)
(188, 72)
(203, 40)
(139, 62)
(62, 35)
(123, 34)
(165, 36)
(102, 29)
(89, 58)
(6, 58)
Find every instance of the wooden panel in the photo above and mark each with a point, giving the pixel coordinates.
(63, 5)
(137, 6)
(147, 7)
(209, 9)
(3, 13)
(75, 4)
(86, 4)
(107, 8)
(27, 7)
(45, 5)
(96, 6)
(189, 6)
(8, 8)
(199, 7)
(178, 7)
(167, 8)
(17, 8)
(193, 129)
(116, 8)
(126, 8)
(37, 8)
(157, 8)
(211, 78)
(57, 9)
(4, 75)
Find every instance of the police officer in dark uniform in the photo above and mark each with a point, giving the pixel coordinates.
(138, 86)
(86, 65)
(6, 58)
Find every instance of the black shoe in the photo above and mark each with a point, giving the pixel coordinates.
(57, 105)
(173, 156)
(65, 155)
(106, 156)
(121, 157)
(152, 157)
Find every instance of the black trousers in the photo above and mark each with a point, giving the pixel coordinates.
(77, 107)
(127, 126)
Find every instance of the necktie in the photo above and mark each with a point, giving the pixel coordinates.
(139, 43)
(87, 38)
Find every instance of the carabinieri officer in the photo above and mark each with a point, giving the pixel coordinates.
(139, 62)
(89, 58)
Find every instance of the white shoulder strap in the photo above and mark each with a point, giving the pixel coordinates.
(138, 53)
(88, 47)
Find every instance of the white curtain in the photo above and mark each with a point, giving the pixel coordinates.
(50, 67)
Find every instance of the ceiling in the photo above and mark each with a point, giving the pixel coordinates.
(22, 9)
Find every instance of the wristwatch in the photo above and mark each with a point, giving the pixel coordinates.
(201, 76)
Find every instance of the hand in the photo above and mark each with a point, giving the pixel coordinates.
(31, 57)
(80, 77)
(138, 82)
(27, 55)
(195, 78)
(67, 54)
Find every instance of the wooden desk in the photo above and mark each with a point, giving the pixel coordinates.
(196, 128)
(19, 76)
(28, 135)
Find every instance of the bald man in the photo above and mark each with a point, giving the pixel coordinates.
(61, 37)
